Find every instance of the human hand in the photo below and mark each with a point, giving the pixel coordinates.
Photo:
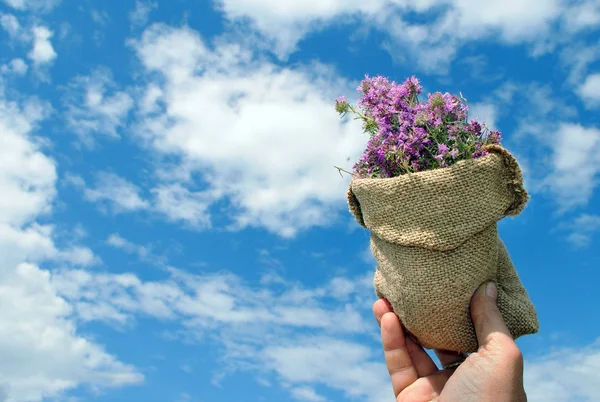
(493, 373)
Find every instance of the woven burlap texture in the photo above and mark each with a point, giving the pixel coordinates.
(435, 239)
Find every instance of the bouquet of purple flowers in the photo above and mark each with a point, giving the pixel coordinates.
(430, 187)
(408, 136)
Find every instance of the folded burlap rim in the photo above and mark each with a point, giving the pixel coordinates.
(442, 208)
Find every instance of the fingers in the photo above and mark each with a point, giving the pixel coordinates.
(429, 388)
(486, 316)
(397, 357)
(381, 307)
(421, 360)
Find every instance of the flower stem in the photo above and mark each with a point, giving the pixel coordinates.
(340, 170)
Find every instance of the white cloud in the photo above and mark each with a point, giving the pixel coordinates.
(16, 66)
(33, 5)
(249, 323)
(293, 332)
(42, 355)
(27, 176)
(559, 159)
(285, 24)
(78, 255)
(582, 229)
(360, 372)
(582, 15)
(117, 241)
(175, 202)
(576, 164)
(27, 183)
(34, 243)
(484, 112)
(432, 44)
(178, 203)
(578, 57)
(94, 106)
(142, 252)
(567, 374)
(143, 8)
(306, 394)
(42, 53)
(589, 91)
(587, 223)
(29, 243)
(150, 102)
(186, 368)
(263, 138)
(221, 301)
(11, 25)
(100, 17)
(120, 194)
(202, 302)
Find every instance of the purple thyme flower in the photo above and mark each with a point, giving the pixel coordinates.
(341, 105)
(403, 131)
(494, 137)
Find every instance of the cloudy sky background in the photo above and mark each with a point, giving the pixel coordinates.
(171, 225)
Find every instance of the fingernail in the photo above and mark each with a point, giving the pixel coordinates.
(491, 291)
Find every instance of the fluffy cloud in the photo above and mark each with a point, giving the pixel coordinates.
(484, 112)
(576, 164)
(178, 203)
(42, 52)
(289, 330)
(221, 302)
(173, 201)
(433, 43)
(582, 15)
(10, 24)
(33, 5)
(306, 394)
(95, 107)
(115, 240)
(144, 253)
(16, 66)
(41, 353)
(143, 8)
(359, 372)
(560, 158)
(262, 137)
(282, 328)
(27, 185)
(566, 374)
(285, 24)
(590, 90)
(27, 176)
(582, 229)
(118, 193)
(34, 242)
(578, 57)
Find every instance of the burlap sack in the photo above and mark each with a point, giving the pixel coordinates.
(435, 239)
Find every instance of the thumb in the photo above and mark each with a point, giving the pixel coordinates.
(486, 316)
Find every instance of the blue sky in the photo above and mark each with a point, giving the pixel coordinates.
(171, 225)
